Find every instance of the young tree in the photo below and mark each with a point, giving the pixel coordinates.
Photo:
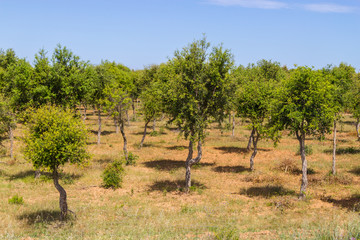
(353, 97)
(254, 97)
(198, 92)
(55, 138)
(304, 106)
(7, 121)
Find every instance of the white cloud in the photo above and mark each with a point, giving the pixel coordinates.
(328, 8)
(265, 4)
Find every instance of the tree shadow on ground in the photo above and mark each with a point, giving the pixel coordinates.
(103, 160)
(231, 169)
(103, 133)
(168, 165)
(46, 175)
(172, 186)
(351, 203)
(239, 149)
(41, 216)
(355, 171)
(266, 191)
(179, 147)
(347, 150)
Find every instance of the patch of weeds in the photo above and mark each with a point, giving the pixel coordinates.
(162, 130)
(16, 199)
(154, 133)
(45, 178)
(258, 177)
(337, 179)
(68, 179)
(132, 158)
(282, 204)
(187, 209)
(308, 150)
(113, 175)
(197, 188)
(287, 165)
(110, 145)
(229, 232)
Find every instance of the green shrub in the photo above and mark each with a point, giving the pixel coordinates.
(308, 150)
(16, 200)
(229, 232)
(113, 175)
(154, 133)
(131, 159)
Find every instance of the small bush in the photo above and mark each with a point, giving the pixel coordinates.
(113, 175)
(154, 133)
(132, 158)
(16, 200)
(308, 150)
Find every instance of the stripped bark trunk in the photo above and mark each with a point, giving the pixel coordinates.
(143, 138)
(334, 151)
(233, 125)
(304, 181)
(248, 148)
(11, 136)
(99, 122)
(191, 161)
(255, 141)
(358, 128)
(62, 199)
(125, 140)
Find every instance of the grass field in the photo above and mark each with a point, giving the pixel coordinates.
(227, 201)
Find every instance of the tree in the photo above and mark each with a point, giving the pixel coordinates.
(254, 97)
(55, 138)
(353, 97)
(198, 92)
(304, 106)
(7, 121)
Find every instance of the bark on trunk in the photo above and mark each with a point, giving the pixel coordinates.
(255, 141)
(133, 107)
(125, 140)
(191, 161)
(358, 128)
(154, 124)
(233, 125)
(304, 181)
(116, 125)
(62, 199)
(229, 118)
(334, 151)
(248, 148)
(37, 174)
(84, 113)
(127, 117)
(143, 138)
(11, 136)
(99, 122)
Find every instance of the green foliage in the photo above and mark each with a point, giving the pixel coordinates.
(229, 232)
(199, 87)
(308, 150)
(55, 137)
(7, 116)
(16, 199)
(132, 158)
(113, 175)
(154, 133)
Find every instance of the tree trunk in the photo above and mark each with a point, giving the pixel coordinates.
(304, 181)
(127, 117)
(358, 128)
(334, 151)
(154, 124)
(229, 118)
(62, 199)
(255, 141)
(11, 136)
(248, 148)
(233, 125)
(143, 138)
(191, 161)
(37, 174)
(125, 140)
(99, 122)
(84, 113)
(133, 107)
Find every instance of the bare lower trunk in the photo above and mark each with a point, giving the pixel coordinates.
(233, 125)
(229, 118)
(99, 122)
(334, 151)
(248, 148)
(255, 141)
(154, 124)
(84, 113)
(127, 117)
(304, 181)
(133, 108)
(191, 161)
(37, 174)
(358, 128)
(11, 136)
(62, 199)
(125, 140)
(143, 138)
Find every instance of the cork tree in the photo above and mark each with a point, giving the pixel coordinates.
(197, 93)
(54, 138)
(304, 106)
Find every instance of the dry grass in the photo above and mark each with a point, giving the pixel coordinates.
(226, 199)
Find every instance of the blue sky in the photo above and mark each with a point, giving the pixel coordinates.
(138, 33)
